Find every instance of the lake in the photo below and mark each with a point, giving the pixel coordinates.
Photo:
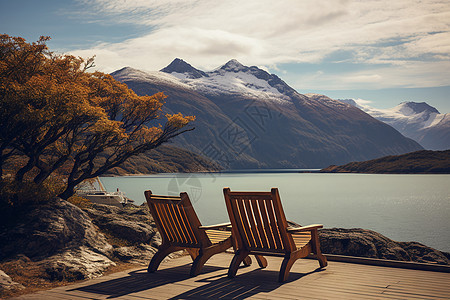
(401, 207)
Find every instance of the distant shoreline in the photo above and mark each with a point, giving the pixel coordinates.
(251, 171)
(419, 162)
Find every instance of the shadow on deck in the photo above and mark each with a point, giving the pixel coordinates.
(338, 281)
(213, 285)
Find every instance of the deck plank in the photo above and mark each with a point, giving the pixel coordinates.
(338, 281)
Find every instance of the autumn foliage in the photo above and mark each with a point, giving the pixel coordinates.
(57, 118)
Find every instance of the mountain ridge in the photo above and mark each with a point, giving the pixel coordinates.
(248, 118)
(232, 66)
(416, 120)
(180, 66)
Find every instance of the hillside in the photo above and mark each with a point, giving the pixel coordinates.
(247, 118)
(165, 159)
(419, 162)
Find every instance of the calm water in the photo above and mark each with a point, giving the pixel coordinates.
(402, 207)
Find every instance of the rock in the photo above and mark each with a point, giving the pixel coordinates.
(76, 264)
(132, 227)
(130, 231)
(368, 243)
(7, 284)
(156, 240)
(49, 229)
(140, 254)
(424, 254)
(133, 223)
(61, 238)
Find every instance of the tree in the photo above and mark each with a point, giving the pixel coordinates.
(64, 119)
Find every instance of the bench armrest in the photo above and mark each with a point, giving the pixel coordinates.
(304, 228)
(216, 226)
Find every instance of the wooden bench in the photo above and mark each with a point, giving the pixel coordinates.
(259, 227)
(181, 229)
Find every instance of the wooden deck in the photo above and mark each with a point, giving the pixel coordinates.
(337, 281)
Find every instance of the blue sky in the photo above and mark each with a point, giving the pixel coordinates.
(382, 51)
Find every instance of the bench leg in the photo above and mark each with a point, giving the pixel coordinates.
(193, 253)
(163, 251)
(247, 261)
(205, 254)
(199, 262)
(315, 245)
(286, 266)
(262, 262)
(237, 259)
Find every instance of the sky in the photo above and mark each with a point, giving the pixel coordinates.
(385, 52)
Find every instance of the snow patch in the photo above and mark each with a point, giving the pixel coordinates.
(405, 118)
(231, 83)
(157, 77)
(336, 104)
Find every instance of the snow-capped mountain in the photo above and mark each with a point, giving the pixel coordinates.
(231, 78)
(416, 120)
(179, 66)
(248, 118)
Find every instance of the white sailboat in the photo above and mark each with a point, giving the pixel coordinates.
(94, 191)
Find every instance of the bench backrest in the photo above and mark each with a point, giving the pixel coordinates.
(176, 220)
(258, 221)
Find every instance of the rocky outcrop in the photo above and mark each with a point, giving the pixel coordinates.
(138, 254)
(132, 224)
(132, 228)
(368, 243)
(424, 254)
(61, 238)
(50, 229)
(76, 264)
(60, 241)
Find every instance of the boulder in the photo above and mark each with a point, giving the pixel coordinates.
(132, 223)
(367, 243)
(139, 254)
(7, 284)
(132, 231)
(61, 238)
(424, 254)
(49, 229)
(76, 264)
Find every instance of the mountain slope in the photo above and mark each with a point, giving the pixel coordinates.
(165, 159)
(248, 118)
(418, 121)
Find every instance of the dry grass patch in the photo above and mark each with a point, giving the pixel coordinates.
(34, 278)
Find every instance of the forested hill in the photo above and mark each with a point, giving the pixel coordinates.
(165, 159)
(419, 162)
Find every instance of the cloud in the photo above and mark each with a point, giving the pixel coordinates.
(269, 33)
(363, 101)
(409, 74)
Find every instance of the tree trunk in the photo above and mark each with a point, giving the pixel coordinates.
(25, 169)
(68, 192)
